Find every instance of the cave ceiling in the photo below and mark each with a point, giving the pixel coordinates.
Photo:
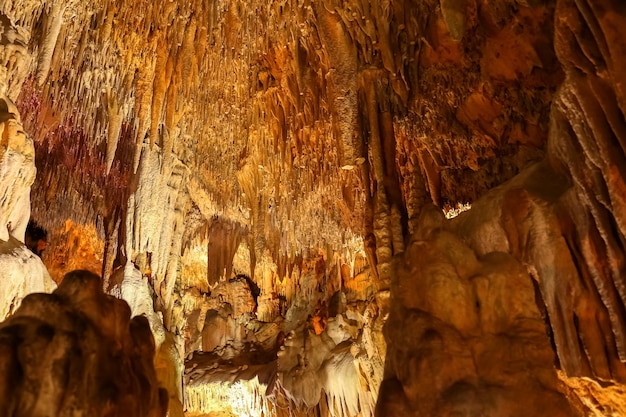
(295, 121)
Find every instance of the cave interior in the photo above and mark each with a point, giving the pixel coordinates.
(357, 208)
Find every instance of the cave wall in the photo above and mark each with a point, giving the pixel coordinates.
(22, 271)
(464, 334)
(401, 110)
(561, 220)
(588, 140)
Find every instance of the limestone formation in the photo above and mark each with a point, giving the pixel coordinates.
(465, 334)
(330, 364)
(265, 182)
(78, 352)
(22, 273)
(17, 172)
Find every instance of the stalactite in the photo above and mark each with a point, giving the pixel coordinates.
(248, 112)
(342, 85)
(223, 241)
(115, 119)
(17, 173)
(53, 20)
(381, 214)
(111, 245)
(454, 12)
(159, 88)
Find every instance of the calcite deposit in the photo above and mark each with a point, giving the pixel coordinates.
(272, 184)
(22, 273)
(17, 172)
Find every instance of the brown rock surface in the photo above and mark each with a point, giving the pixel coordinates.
(78, 352)
(464, 335)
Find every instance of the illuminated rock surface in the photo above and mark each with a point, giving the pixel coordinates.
(264, 182)
(22, 273)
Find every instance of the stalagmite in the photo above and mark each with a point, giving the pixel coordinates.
(23, 274)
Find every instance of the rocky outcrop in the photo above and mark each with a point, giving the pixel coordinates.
(78, 352)
(131, 286)
(325, 356)
(557, 225)
(17, 152)
(588, 145)
(335, 370)
(530, 219)
(465, 335)
(22, 271)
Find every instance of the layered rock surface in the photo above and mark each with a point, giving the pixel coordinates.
(561, 220)
(465, 335)
(17, 172)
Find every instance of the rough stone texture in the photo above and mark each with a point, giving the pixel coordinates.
(530, 218)
(77, 352)
(562, 219)
(297, 142)
(245, 114)
(74, 247)
(588, 140)
(17, 152)
(331, 365)
(465, 335)
(22, 273)
(14, 58)
(131, 286)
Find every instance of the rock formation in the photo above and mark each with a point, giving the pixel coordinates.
(464, 335)
(78, 352)
(22, 273)
(266, 182)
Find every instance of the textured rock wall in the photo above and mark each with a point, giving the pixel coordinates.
(558, 225)
(266, 103)
(23, 273)
(78, 352)
(74, 246)
(588, 139)
(465, 335)
(17, 170)
(330, 364)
